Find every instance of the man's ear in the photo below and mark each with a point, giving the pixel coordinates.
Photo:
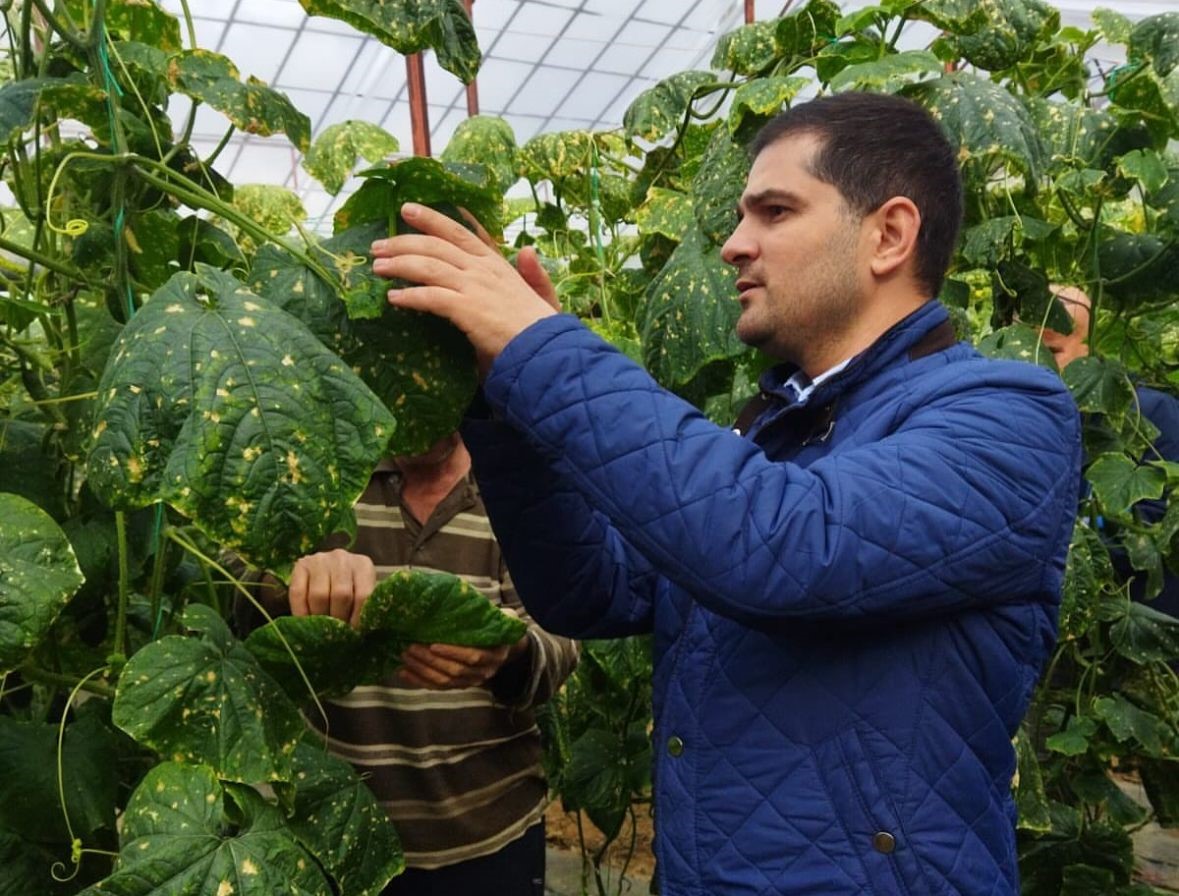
(894, 236)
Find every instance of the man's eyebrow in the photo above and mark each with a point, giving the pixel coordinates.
(768, 196)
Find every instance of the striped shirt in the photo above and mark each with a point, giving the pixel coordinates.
(459, 771)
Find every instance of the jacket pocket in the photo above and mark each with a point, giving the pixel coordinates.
(868, 816)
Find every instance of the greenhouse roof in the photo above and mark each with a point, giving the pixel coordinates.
(548, 65)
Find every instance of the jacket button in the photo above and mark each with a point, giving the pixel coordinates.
(884, 842)
(675, 746)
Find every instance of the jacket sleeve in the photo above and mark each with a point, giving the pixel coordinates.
(968, 502)
(575, 573)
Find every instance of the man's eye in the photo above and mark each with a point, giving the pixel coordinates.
(777, 211)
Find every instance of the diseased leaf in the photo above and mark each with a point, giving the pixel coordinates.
(688, 317)
(275, 209)
(992, 34)
(226, 407)
(253, 107)
(1031, 800)
(1099, 385)
(425, 181)
(329, 650)
(1073, 741)
(747, 50)
(32, 804)
(485, 140)
(38, 575)
(206, 699)
(335, 152)
(1145, 635)
(21, 101)
(662, 109)
(339, 821)
(889, 73)
(184, 832)
(410, 26)
(1139, 267)
(762, 98)
(987, 126)
(141, 20)
(666, 212)
(1119, 483)
(1114, 26)
(1156, 40)
(718, 185)
(406, 608)
(436, 608)
(1145, 166)
(1018, 342)
(418, 365)
(1129, 723)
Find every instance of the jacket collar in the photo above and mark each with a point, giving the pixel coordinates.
(895, 342)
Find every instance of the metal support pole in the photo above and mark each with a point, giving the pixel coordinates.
(419, 115)
(750, 13)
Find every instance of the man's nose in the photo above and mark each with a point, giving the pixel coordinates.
(738, 247)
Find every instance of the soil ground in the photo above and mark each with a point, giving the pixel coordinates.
(563, 874)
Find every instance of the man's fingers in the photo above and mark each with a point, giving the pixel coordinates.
(434, 223)
(429, 270)
(534, 274)
(297, 593)
(363, 585)
(434, 299)
(480, 231)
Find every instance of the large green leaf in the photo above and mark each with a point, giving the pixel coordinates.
(688, 317)
(421, 180)
(718, 186)
(29, 794)
(747, 50)
(143, 20)
(436, 608)
(662, 109)
(889, 73)
(1119, 483)
(1099, 385)
(666, 212)
(556, 156)
(229, 409)
(986, 124)
(992, 34)
(206, 700)
(330, 652)
(253, 107)
(339, 821)
(1129, 723)
(38, 575)
(408, 607)
(410, 26)
(21, 101)
(485, 140)
(335, 152)
(184, 834)
(1156, 39)
(1144, 635)
(1018, 342)
(420, 366)
(1139, 267)
(154, 241)
(276, 209)
(761, 98)
(26, 469)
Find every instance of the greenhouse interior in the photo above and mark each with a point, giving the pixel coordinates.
(588, 448)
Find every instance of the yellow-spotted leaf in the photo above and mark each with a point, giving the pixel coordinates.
(335, 152)
(226, 407)
(185, 832)
(340, 822)
(205, 699)
(251, 106)
(419, 366)
(410, 26)
(38, 575)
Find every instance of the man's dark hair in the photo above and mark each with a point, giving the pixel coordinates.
(874, 147)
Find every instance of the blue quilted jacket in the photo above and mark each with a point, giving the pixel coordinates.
(851, 604)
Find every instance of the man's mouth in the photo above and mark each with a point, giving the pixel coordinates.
(744, 286)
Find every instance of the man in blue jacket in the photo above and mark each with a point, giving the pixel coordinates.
(852, 598)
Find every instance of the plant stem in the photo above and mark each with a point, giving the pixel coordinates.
(46, 261)
(124, 584)
(68, 34)
(56, 679)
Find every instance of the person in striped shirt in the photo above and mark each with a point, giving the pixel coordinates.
(450, 745)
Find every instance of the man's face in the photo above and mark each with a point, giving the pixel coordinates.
(797, 250)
